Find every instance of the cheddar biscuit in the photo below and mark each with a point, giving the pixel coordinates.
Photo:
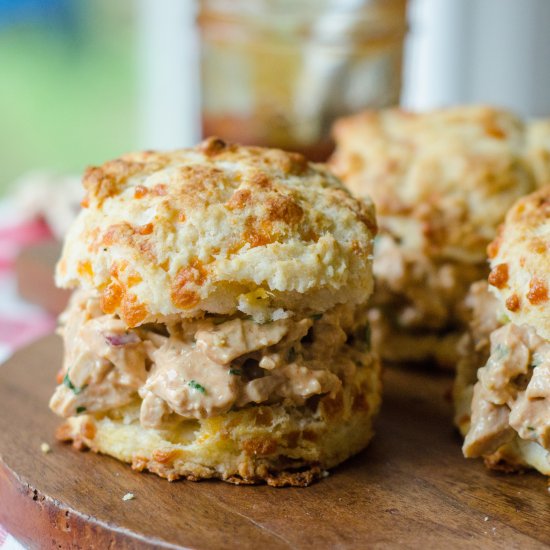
(442, 182)
(219, 326)
(502, 389)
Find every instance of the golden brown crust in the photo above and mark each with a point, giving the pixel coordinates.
(197, 230)
(505, 464)
(523, 246)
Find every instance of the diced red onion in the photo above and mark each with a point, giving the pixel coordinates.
(122, 339)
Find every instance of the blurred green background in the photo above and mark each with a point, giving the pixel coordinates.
(67, 84)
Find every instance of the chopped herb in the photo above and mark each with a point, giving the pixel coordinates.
(80, 410)
(67, 382)
(504, 319)
(502, 350)
(291, 354)
(219, 320)
(196, 386)
(236, 372)
(316, 316)
(530, 428)
(368, 337)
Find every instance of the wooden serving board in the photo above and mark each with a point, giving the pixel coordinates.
(411, 488)
(34, 272)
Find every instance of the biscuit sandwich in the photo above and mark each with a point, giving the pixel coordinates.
(218, 327)
(441, 182)
(502, 388)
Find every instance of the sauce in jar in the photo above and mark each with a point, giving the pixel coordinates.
(279, 72)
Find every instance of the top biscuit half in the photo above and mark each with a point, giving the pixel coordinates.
(442, 180)
(218, 229)
(520, 262)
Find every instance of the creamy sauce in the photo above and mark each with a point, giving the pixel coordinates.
(202, 368)
(97, 374)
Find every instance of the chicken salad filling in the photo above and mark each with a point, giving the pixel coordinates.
(418, 293)
(512, 395)
(204, 367)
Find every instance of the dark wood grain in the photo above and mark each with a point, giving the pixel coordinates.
(411, 488)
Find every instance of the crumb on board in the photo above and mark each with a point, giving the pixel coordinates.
(325, 473)
(128, 496)
(45, 448)
(486, 518)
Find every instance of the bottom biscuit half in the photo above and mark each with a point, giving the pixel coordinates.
(277, 444)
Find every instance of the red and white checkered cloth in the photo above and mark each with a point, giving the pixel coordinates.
(42, 204)
(20, 322)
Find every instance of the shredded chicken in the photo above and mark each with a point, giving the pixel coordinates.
(474, 348)
(512, 395)
(203, 368)
(419, 293)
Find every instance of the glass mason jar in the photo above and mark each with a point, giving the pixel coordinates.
(278, 72)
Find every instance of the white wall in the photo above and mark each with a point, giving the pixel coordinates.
(492, 51)
(168, 74)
